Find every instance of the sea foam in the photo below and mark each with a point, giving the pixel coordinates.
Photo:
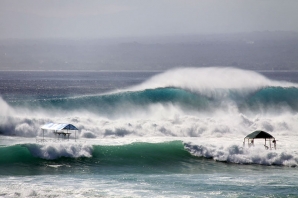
(239, 154)
(52, 151)
(189, 102)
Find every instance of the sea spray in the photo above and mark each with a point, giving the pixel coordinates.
(180, 135)
(173, 153)
(238, 154)
(189, 102)
(57, 150)
(208, 80)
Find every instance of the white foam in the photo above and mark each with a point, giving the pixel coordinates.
(207, 80)
(57, 150)
(228, 150)
(167, 120)
(162, 119)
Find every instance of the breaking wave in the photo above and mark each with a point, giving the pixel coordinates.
(193, 102)
(117, 103)
(242, 155)
(201, 90)
(175, 154)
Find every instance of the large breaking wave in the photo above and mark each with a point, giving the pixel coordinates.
(172, 155)
(117, 104)
(205, 103)
(181, 102)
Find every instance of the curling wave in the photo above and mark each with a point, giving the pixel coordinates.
(259, 100)
(173, 153)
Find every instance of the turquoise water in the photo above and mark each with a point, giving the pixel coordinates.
(145, 136)
(139, 170)
(260, 183)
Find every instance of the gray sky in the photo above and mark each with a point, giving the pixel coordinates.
(122, 18)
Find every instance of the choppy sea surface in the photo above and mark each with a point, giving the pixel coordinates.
(177, 133)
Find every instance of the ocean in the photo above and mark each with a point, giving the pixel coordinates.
(176, 133)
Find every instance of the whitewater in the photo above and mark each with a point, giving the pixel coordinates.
(149, 134)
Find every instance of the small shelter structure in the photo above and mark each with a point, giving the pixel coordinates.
(58, 129)
(260, 135)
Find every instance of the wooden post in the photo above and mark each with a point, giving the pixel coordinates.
(270, 143)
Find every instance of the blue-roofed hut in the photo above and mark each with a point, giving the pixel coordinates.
(58, 129)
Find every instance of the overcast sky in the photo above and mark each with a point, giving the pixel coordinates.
(121, 18)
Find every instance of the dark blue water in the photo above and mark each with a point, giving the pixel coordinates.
(15, 85)
(162, 141)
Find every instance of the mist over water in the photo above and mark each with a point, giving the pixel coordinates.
(212, 108)
(144, 131)
(176, 133)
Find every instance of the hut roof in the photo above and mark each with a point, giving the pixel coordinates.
(259, 134)
(58, 126)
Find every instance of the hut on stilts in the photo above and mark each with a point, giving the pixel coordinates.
(59, 129)
(270, 141)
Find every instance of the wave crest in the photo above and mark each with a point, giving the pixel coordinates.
(55, 151)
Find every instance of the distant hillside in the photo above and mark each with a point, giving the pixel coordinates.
(257, 50)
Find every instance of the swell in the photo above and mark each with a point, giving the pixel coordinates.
(113, 103)
(138, 157)
(140, 154)
(130, 154)
(273, 97)
(32, 159)
(117, 103)
(16, 154)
